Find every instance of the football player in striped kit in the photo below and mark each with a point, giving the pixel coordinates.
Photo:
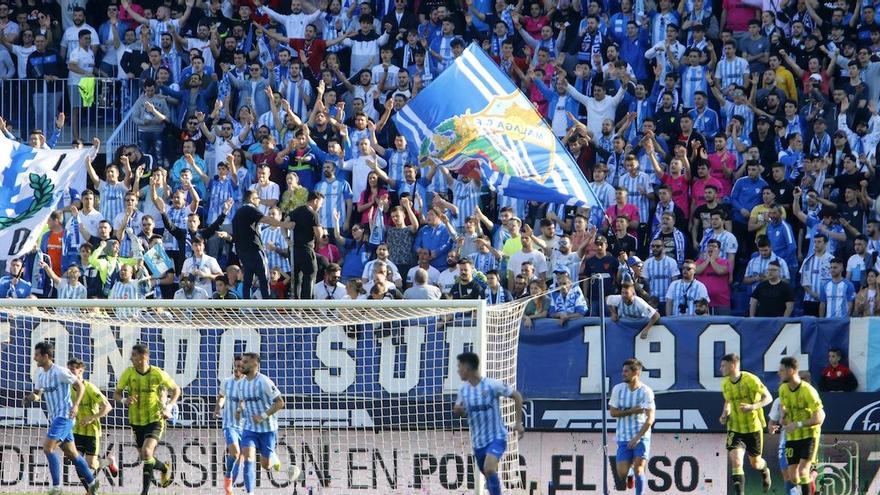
(63, 393)
(228, 409)
(479, 401)
(260, 399)
(632, 403)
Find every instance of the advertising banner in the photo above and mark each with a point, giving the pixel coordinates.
(563, 361)
(856, 412)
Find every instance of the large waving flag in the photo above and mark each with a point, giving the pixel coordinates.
(33, 181)
(473, 115)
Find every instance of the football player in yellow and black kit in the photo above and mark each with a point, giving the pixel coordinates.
(743, 413)
(802, 418)
(87, 429)
(147, 410)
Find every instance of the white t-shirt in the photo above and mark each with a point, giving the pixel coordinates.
(560, 119)
(269, 191)
(536, 257)
(90, 221)
(206, 264)
(70, 38)
(446, 279)
(323, 291)
(85, 59)
(22, 54)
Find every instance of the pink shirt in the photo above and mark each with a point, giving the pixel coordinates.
(533, 26)
(630, 211)
(679, 188)
(699, 188)
(717, 286)
(739, 13)
(716, 170)
(331, 252)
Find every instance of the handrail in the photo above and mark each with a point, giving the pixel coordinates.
(110, 145)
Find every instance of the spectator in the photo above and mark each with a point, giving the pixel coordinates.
(601, 262)
(201, 268)
(80, 63)
(567, 301)
(629, 305)
(465, 286)
(729, 242)
(382, 254)
(773, 296)
(13, 285)
(435, 238)
(837, 294)
(495, 293)
(837, 377)
(682, 294)
(757, 269)
(866, 299)
(701, 307)
(538, 305)
(815, 273)
(714, 272)
(672, 239)
(421, 289)
(746, 194)
(860, 261)
(223, 291)
(189, 289)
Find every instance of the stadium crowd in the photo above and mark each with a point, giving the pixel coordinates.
(732, 143)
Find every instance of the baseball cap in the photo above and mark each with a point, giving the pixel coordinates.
(559, 269)
(188, 277)
(815, 77)
(634, 260)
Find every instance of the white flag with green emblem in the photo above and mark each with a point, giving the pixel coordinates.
(33, 182)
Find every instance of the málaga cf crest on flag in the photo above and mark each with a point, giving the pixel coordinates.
(472, 116)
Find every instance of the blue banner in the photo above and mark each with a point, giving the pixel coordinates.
(473, 119)
(563, 362)
(355, 373)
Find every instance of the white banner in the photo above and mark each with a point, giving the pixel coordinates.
(359, 462)
(33, 183)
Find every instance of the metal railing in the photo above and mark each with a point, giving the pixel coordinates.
(124, 133)
(28, 104)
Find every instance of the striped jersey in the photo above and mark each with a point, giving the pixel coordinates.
(277, 236)
(758, 266)
(693, 79)
(799, 405)
(729, 243)
(466, 197)
(732, 71)
(634, 187)
(89, 405)
(111, 199)
(68, 291)
(54, 387)
(178, 217)
(229, 390)
(147, 388)
(336, 195)
(637, 309)
(219, 190)
(270, 191)
(396, 160)
(483, 406)
(660, 274)
(747, 389)
(624, 398)
(815, 271)
(126, 290)
(730, 109)
(683, 292)
(837, 296)
(256, 396)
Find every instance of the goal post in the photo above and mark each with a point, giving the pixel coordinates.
(368, 386)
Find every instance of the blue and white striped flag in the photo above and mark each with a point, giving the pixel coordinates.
(34, 180)
(472, 117)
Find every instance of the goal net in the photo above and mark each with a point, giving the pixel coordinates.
(369, 388)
